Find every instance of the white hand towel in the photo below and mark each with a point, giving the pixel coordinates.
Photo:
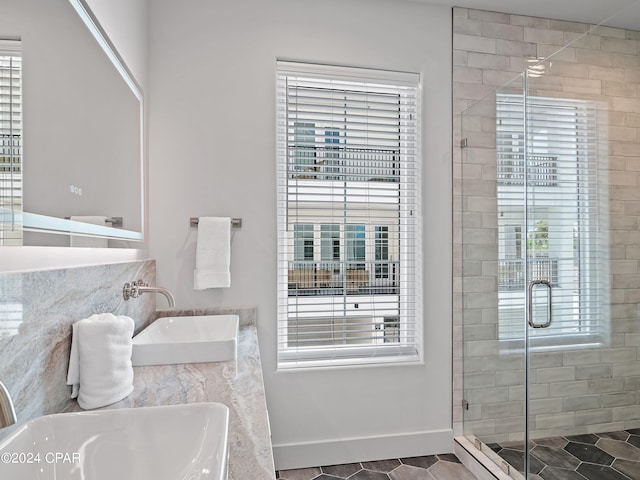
(100, 369)
(83, 241)
(213, 254)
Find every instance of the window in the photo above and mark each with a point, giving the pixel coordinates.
(330, 248)
(563, 231)
(304, 141)
(382, 251)
(303, 241)
(348, 216)
(10, 141)
(355, 247)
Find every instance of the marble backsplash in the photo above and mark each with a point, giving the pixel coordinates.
(37, 310)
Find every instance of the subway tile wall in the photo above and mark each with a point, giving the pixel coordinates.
(577, 391)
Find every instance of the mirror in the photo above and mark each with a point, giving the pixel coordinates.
(71, 148)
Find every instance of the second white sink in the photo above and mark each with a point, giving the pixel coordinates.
(190, 339)
(149, 443)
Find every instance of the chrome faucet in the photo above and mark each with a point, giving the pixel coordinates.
(7, 411)
(134, 289)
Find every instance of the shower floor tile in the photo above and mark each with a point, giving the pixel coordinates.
(601, 456)
(431, 467)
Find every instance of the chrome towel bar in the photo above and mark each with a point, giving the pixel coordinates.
(235, 222)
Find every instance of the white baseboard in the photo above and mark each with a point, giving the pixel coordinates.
(335, 452)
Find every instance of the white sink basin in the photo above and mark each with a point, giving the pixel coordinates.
(171, 340)
(152, 443)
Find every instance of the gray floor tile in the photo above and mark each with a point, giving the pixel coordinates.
(451, 471)
(383, 466)
(555, 457)
(513, 458)
(422, 462)
(429, 467)
(620, 435)
(553, 473)
(343, 471)
(589, 453)
(586, 438)
(619, 449)
(599, 472)
(634, 440)
(629, 468)
(448, 457)
(600, 456)
(407, 472)
(369, 475)
(300, 474)
(557, 442)
(519, 446)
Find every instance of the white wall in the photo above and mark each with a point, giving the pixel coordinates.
(212, 152)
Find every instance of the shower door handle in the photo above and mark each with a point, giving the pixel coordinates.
(530, 304)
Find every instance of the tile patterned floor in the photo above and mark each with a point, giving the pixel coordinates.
(432, 467)
(602, 456)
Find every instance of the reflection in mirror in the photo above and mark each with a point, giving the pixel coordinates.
(10, 136)
(70, 131)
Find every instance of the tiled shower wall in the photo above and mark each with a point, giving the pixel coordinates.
(37, 310)
(581, 390)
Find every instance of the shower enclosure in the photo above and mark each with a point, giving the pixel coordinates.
(549, 209)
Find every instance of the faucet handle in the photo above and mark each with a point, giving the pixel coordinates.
(130, 290)
(7, 411)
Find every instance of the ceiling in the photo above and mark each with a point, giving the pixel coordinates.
(614, 13)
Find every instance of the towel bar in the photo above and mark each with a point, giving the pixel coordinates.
(114, 221)
(235, 222)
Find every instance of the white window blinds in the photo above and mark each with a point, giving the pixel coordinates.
(348, 216)
(10, 141)
(566, 235)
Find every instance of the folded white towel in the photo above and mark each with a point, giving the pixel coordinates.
(83, 241)
(100, 370)
(213, 253)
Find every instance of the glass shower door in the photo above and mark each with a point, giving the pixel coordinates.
(493, 286)
(551, 263)
(567, 255)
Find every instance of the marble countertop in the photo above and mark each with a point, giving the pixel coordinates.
(237, 384)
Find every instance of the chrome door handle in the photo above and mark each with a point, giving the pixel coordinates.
(530, 302)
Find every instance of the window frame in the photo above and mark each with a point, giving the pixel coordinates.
(409, 299)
